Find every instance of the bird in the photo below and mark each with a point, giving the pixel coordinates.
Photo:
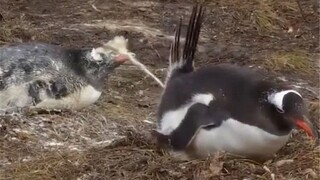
(224, 107)
(46, 76)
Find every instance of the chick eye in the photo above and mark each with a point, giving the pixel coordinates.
(280, 110)
(132, 54)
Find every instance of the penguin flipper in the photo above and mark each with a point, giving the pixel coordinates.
(197, 117)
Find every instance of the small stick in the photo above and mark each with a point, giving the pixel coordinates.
(142, 67)
(119, 43)
(95, 8)
(271, 174)
(155, 50)
(301, 10)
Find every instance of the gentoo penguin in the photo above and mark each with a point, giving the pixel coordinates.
(52, 77)
(224, 107)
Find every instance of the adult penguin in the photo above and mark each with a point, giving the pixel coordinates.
(224, 107)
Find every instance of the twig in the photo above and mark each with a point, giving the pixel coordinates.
(147, 121)
(271, 174)
(301, 10)
(39, 15)
(119, 43)
(95, 8)
(304, 16)
(155, 51)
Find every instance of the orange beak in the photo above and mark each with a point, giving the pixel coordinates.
(307, 126)
(121, 58)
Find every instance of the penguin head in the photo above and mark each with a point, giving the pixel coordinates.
(102, 60)
(290, 105)
(112, 54)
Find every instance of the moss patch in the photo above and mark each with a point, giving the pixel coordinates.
(18, 29)
(289, 61)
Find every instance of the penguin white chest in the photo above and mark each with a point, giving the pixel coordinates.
(15, 96)
(238, 138)
(89, 95)
(76, 100)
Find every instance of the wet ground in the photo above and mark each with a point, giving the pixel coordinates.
(111, 139)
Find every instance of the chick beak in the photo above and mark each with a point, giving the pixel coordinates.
(121, 58)
(306, 125)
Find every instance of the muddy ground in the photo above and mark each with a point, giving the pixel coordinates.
(111, 139)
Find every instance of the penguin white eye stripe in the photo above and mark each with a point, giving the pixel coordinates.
(276, 98)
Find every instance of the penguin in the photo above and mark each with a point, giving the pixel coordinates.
(46, 76)
(224, 107)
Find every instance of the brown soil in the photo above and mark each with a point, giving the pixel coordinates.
(275, 37)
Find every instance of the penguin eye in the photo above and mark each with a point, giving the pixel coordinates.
(280, 110)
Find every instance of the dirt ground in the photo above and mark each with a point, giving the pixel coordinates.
(111, 139)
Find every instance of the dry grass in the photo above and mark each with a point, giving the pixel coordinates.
(137, 157)
(50, 165)
(265, 16)
(290, 61)
(314, 108)
(18, 29)
(45, 146)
